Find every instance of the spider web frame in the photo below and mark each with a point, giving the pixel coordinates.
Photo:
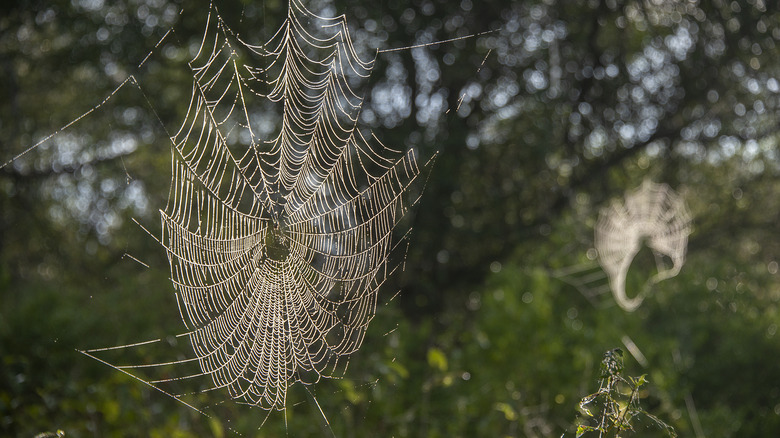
(245, 215)
(276, 239)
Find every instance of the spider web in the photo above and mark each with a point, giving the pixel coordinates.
(652, 214)
(278, 239)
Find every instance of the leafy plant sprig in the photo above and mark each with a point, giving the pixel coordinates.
(617, 401)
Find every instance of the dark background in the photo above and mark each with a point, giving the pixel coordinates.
(538, 124)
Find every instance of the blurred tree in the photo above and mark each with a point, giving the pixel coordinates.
(570, 95)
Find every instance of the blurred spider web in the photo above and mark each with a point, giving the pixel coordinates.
(652, 215)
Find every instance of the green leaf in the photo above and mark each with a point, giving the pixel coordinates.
(217, 430)
(437, 359)
(508, 411)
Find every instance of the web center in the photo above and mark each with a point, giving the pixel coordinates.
(277, 246)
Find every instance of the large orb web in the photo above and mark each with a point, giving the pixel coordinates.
(280, 221)
(652, 215)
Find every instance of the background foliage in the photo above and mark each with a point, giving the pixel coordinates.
(539, 124)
